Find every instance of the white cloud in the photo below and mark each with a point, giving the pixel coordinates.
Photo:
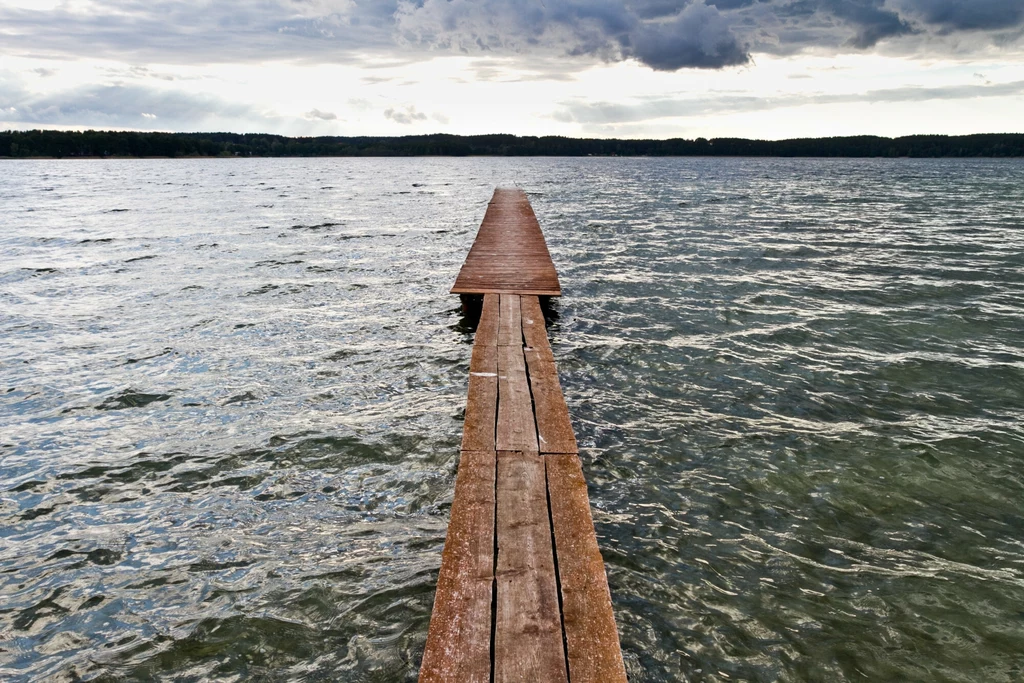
(317, 115)
(404, 116)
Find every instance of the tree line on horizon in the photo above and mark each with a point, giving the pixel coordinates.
(106, 144)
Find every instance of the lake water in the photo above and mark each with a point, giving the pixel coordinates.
(231, 395)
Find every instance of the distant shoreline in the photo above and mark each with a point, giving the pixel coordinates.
(490, 156)
(50, 144)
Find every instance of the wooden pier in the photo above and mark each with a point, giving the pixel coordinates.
(522, 593)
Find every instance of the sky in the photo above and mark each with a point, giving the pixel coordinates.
(766, 69)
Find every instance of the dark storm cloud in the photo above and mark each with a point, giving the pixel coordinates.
(871, 20)
(663, 34)
(966, 15)
(699, 36)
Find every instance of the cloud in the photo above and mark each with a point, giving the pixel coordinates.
(318, 115)
(118, 106)
(870, 20)
(604, 113)
(699, 36)
(140, 72)
(221, 31)
(967, 15)
(678, 34)
(663, 34)
(405, 116)
(674, 34)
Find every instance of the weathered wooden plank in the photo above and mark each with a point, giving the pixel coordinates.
(535, 333)
(487, 328)
(459, 640)
(554, 430)
(482, 402)
(524, 288)
(590, 633)
(516, 429)
(528, 644)
(529, 500)
(509, 253)
(510, 325)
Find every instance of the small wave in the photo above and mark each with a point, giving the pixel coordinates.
(131, 399)
(132, 361)
(796, 252)
(241, 398)
(265, 289)
(318, 226)
(274, 263)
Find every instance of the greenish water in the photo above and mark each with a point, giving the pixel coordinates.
(231, 395)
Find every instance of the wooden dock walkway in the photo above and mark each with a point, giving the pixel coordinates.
(509, 254)
(522, 593)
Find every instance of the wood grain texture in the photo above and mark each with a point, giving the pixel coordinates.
(516, 428)
(487, 328)
(509, 253)
(554, 429)
(590, 633)
(535, 333)
(510, 322)
(458, 644)
(482, 401)
(528, 644)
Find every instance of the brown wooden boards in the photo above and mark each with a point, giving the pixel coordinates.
(535, 333)
(509, 253)
(590, 634)
(554, 431)
(516, 428)
(482, 402)
(459, 640)
(510, 325)
(487, 328)
(528, 628)
(522, 593)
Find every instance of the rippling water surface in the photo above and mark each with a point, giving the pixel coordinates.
(231, 395)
